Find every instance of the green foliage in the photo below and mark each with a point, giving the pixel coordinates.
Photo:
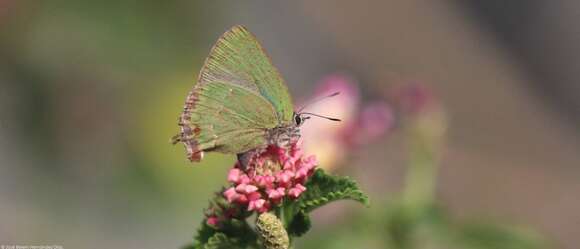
(490, 236)
(221, 241)
(204, 233)
(299, 225)
(399, 225)
(396, 225)
(191, 246)
(238, 232)
(425, 226)
(323, 188)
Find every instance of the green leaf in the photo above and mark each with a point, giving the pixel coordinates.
(300, 224)
(322, 188)
(204, 233)
(221, 241)
(240, 231)
(237, 231)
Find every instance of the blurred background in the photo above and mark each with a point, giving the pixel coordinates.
(90, 93)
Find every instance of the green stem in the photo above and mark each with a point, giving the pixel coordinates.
(287, 214)
(420, 179)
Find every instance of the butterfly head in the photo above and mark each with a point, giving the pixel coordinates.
(300, 116)
(299, 119)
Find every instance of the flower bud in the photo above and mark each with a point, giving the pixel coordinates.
(272, 232)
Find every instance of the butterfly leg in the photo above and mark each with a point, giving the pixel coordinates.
(244, 158)
(295, 135)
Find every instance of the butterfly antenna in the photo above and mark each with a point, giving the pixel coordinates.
(317, 100)
(320, 116)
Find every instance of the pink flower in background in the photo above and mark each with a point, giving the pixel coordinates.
(421, 112)
(376, 119)
(270, 175)
(373, 122)
(361, 123)
(413, 98)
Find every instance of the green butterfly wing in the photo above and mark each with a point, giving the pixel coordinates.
(238, 58)
(239, 96)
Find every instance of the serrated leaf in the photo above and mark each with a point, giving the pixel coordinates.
(236, 230)
(322, 188)
(220, 241)
(300, 224)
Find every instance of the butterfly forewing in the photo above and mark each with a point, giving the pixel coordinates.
(238, 97)
(238, 58)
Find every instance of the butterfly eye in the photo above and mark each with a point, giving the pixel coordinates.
(297, 120)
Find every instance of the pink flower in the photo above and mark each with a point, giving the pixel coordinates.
(231, 194)
(296, 191)
(254, 196)
(302, 173)
(376, 118)
(242, 199)
(361, 123)
(265, 181)
(234, 175)
(284, 177)
(374, 121)
(270, 175)
(246, 188)
(414, 98)
(256, 204)
(276, 194)
(212, 221)
(244, 179)
(224, 207)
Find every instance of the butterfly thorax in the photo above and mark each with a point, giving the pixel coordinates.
(283, 135)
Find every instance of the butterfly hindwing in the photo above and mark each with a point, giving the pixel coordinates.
(225, 118)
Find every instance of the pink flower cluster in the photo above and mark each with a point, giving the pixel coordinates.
(270, 176)
(221, 211)
(363, 122)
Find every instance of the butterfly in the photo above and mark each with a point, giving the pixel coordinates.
(240, 103)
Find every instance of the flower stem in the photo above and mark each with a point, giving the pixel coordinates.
(424, 142)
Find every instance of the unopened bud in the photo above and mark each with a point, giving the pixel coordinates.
(272, 232)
